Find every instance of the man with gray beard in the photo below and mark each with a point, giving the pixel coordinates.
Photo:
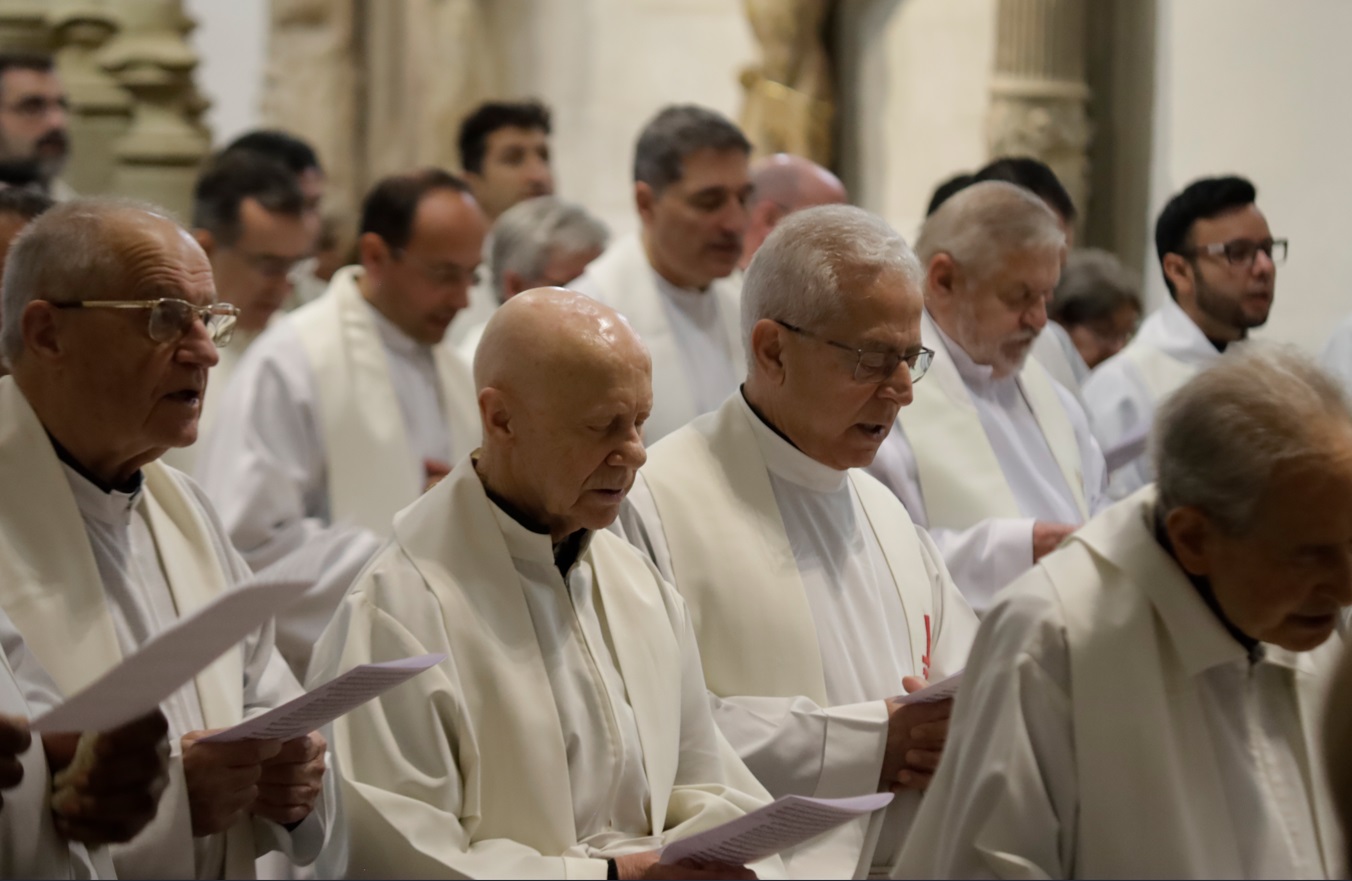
(994, 458)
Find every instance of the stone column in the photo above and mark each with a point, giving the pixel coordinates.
(23, 26)
(1039, 96)
(158, 158)
(100, 110)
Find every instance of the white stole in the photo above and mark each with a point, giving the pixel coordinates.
(372, 473)
(960, 476)
(712, 491)
(627, 282)
(51, 587)
(1129, 647)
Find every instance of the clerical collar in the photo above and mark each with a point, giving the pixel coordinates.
(783, 457)
(128, 487)
(1253, 647)
(564, 554)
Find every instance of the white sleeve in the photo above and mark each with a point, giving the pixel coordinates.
(1119, 405)
(1336, 357)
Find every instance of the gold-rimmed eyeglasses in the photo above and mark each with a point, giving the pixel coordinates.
(171, 319)
(873, 366)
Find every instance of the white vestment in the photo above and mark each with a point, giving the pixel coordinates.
(1122, 393)
(569, 723)
(326, 427)
(978, 460)
(812, 595)
(1336, 357)
(1056, 352)
(30, 846)
(88, 576)
(694, 337)
(1110, 726)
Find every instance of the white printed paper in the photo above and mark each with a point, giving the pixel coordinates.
(942, 690)
(780, 825)
(335, 698)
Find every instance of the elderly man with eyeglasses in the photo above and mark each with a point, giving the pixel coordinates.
(110, 328)
(1219, 261)
(348, 408)
(815, 599)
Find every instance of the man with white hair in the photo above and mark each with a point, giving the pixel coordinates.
(782, 184)
(567, 734)
(104, 547)
(543, 242)
(816, 600)
(993, 457)
(1147, 701)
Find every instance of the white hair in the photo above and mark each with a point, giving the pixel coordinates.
(1218, 439)
(529, 233)
(68, 253)
(983, 223)
(804, 271)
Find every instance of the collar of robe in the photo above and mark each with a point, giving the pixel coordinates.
(1203, 587)
(129, 486)
(566, 551)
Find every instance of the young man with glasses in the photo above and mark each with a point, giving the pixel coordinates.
(34, 119)
(1219, 261)
(816, 600)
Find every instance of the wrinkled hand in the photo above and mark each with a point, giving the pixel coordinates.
(433, 472)
(222, 778)
(1048, 536)
(915, 740)
(646, 865)
(14, 742)
(291, 781)
(108, 786)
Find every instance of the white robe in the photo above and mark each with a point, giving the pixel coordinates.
(977, 461)
(1122, 393)
(1055, 351)
(814, 600)
(1109, 726)
(324, 429)
(471, 769)
(30, 846)
(1336, 356)
(82, 590)
(694, 337)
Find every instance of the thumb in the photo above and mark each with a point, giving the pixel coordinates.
(913, 683)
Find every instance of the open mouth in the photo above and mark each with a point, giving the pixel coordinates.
(873, 430)
(189, 396)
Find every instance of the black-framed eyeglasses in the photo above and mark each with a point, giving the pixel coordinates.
(171, 319)
(873, 366)
(439, 274)
(1241, 252)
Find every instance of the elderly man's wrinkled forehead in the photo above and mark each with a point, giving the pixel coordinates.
(144, 254)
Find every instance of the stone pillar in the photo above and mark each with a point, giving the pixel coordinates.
(158, 158)
(23, 26)
(1039, 96)
(100, 110)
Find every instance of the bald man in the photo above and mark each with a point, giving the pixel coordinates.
(568, 733)
(782, 184)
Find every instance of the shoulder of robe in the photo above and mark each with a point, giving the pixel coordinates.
(1027, 614)
(608, 543)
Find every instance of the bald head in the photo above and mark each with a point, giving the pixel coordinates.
(783, 184)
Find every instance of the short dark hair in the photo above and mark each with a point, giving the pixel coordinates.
(948, 189)
(1035, 176)
(16, 60)
(24, 202)
(389, 208)
(491, 116)
(673, 134)
(1200, 200)
(294, 153)
(232, 177)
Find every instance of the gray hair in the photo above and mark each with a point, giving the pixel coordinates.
(1094, 286)
(1218, 439)
(530, 233)
(808, 264)
(676, 132)
(69, 252)
(985, 222)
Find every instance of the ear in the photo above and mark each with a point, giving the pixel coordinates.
(372, 251)
(495, 415)
(206, 240)
(645, 200)
(41, 325)
(1179, 271)
(767, 348)
(1194, 539)
(513, 283)
(768, 213)
(942, 278)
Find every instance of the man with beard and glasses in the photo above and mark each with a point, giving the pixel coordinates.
(34, 112)
(994, 457)
(1219, 261)
(692, 182)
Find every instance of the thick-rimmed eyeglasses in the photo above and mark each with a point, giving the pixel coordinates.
(1241, 252)
(171, 319)
(874, 366)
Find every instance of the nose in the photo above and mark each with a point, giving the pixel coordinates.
(898, 387)
(196, 347)
(630, 453)
(1263, 264)
(539, 174)
(1035, 317)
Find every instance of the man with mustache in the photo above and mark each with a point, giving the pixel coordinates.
(1147, 701)
(817, 601)
(993, 457)
(34, 117)
(567, 735)
(1219, 261)
(691, 186)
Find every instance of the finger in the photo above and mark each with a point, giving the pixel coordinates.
(14, 735)
(11, 773)
(926, 760)
(909, 779)
(149, 729)
(298, 751)
(928, 733)
(238, 753)
(913, 683)
(106, 810)
(283, 815)
(308, 772)
(217, 781)
(125, 771)
(285, 796)
(931, 711)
